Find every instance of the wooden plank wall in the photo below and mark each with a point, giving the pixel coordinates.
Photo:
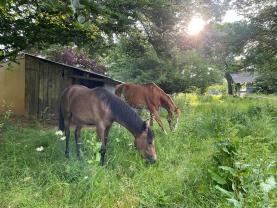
(45, 82)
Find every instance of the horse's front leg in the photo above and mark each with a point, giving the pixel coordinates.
(159, 121)
(101, 135)
(107, 130)
(155, 115)
(77, 142)
(151, 119)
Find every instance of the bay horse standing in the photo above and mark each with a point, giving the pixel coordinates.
(81, 106)
(151, 96)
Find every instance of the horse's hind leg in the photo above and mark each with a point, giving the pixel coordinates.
(67, 135)
(77, 137)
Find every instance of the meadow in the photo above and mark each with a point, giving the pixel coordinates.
(223, 154)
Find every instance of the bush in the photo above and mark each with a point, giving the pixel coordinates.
(5, 117)
(217, 89)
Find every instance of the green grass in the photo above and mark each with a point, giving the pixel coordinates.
(180, 178)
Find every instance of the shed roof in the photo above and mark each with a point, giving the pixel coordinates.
(243, 77)
(105, 77)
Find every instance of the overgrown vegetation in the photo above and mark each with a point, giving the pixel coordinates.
(222, 155)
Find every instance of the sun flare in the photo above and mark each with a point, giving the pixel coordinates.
(196, 24)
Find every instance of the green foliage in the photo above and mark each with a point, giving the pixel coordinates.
(266, 83)
(145, 34)
(186, 71)
(27, 25)
(5, 117)
(217, 89)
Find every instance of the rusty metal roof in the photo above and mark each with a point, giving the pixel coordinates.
(243, 77)
(105, 77)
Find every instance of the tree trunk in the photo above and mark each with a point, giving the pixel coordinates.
(229, 81)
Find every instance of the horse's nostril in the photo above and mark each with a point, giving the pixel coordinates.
(151, 159)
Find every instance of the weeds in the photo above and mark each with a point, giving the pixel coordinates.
(222, 155)
(5, 116)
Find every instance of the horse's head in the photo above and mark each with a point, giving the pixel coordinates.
(145, 143)
(173, 118)
(118, 89)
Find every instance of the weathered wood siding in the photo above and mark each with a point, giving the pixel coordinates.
(45, 82)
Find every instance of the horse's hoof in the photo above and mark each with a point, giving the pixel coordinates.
(102, 163)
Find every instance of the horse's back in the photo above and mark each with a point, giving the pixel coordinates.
(83, 104)
(135, 95)
(71, 90)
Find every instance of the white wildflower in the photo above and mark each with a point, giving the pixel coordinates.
(86, 177)
(63, 138)
(268, 185)
(39, 149)
(59, 133)
(27, 178)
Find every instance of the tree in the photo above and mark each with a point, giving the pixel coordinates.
(224, 44)
(182, 72)
(37, 24)
(144, 33)
(72, 56)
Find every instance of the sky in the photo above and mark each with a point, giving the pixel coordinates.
(231, 16)
(197, 23)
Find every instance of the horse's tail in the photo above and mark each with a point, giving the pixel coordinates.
(61, 116)
(119, 89)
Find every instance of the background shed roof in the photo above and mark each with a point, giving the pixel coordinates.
(243, 77)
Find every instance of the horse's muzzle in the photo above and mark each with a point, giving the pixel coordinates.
(151, 159)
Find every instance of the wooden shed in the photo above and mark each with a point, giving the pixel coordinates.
(45, 80)
(242, 82)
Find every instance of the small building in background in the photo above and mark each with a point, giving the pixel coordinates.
(242, 82)
(33, 87)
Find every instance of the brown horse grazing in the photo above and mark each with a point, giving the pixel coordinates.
(81, 106)
(151, 96)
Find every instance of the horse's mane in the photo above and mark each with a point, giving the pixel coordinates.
(123, 114)
(155, 87)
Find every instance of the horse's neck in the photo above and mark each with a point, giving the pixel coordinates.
(130, 120)
(167, 103)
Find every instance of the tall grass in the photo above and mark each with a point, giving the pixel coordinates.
(184, 176)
